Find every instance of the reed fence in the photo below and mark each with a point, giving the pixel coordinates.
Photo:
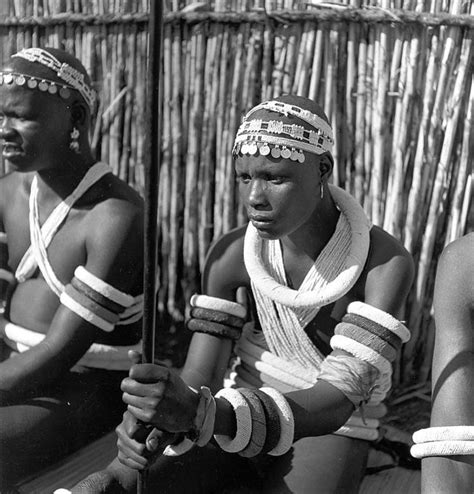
(394, 77)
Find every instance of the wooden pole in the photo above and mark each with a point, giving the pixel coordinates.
(151, 192)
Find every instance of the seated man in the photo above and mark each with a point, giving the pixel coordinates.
(302, 401)
(70, 267)
(447, 447)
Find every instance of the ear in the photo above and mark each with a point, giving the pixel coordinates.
(79, 114)
(326, 164)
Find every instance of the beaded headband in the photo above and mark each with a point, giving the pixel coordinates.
(292, 139)
(73, 79)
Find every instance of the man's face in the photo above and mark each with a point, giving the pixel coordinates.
(34, 128)
(279, 195)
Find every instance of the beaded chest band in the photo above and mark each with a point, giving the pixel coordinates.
(275, 138)
(73, 79)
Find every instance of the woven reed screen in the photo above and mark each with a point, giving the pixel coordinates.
(394, 79)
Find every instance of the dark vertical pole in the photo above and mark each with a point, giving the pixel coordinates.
(151, 190)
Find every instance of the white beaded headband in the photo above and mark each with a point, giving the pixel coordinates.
(73, 79)
(250, 139)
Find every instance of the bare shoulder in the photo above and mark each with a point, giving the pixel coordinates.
(224, 269)
(114, 235)
(389, 271)
(114, 203)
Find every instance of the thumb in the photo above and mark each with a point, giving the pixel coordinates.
(158, 439)
(134, 356)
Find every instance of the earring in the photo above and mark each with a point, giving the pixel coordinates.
(321, 189)
(74, 144)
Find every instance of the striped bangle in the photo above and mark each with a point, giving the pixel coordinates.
(358, 350)
(259, 426)
(96, 296)
(374, 328)
(445, 433)
(84, 313)
(213, 328)
(217, 316)
(287, 422)
(243, 419)
(272, 420)
(381, 317)
(366, 338)
(103, 288)
(91, 306)
(442, 448)
(220, 304)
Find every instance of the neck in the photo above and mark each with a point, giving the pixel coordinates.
(59, 181)
(311, 238)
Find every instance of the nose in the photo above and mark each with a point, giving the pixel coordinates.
(257, 196)
(5, 129)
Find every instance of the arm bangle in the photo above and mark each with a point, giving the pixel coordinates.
(243, 418)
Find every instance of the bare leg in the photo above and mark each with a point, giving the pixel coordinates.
(326, 464)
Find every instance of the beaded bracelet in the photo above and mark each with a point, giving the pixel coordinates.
(381, 317)
(287, 422)
(220, 304)
(213, 328)
(367, 339)
(259, 425)
(243, 419)
(361, 351)
(444, 433)
(217, 316)
(442, 448)
(375, 328)
(272, 420)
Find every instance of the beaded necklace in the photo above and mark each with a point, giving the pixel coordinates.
(284, 312)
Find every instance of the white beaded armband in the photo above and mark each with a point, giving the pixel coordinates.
(443, 441)
(287, 422)
(243, 418)
(381, 317)
(340, 342)
(220, 304)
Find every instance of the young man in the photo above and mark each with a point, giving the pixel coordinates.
(70, 267)
(304, 396)
(447, 447)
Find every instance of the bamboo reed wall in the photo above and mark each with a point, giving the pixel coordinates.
(394, 77)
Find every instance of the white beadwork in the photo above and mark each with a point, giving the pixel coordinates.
(103, 288)
(284, 312)
(219, 304)
(243, 418)
(287, 422)
(380, 317)
(63, 70)
(340, 342)
(85, 313)
(442, 448)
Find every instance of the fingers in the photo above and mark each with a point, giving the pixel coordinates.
(131, 452)
(149, 373)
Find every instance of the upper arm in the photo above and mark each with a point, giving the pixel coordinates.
(113, 243)
(390, 274)
(454, 304)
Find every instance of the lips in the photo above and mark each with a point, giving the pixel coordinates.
(11, 149)
(260, 221)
